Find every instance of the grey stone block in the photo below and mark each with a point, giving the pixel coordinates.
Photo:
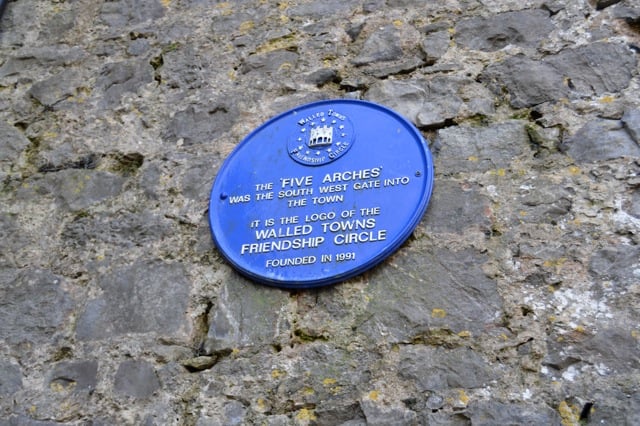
(33, 305)
(10, 378)
(148, 296)
(137, 379)
(77, 376)
(590, 70)
(447, 293)
(383, 45)
(439, 369)
(78, 189)
(520, 28)
(245, 314)
(600, 140)
(453, 209)
(496, 413)
(12, 143)
(467, 148)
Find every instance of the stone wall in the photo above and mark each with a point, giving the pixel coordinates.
(515, 301)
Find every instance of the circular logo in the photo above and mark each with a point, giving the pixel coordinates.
(320, 138)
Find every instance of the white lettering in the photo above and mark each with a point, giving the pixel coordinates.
(360, 237)
(351, 175)
(292, 261)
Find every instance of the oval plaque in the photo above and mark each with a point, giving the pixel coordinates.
(320, 193)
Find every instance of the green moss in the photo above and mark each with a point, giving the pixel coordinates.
(286, 42)
(171, 47)
(305, 337)
(123, 164)
(440, 337)
(523, 114)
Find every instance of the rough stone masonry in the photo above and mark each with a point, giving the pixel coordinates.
(516, 300)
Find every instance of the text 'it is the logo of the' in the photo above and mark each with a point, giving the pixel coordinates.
(320, 138)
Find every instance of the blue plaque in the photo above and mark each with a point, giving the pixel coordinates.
(320, 193)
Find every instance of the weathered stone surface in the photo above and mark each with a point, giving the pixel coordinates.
(198, 124)
(449, 294)
(370, 6)
(625, 411)
(631, 123)
(12, 143)
(495, 413)
(618, 264)
(22, 420)
(441, 104)
(322, 76)
(320, 10)
(246, 315)
(589, 70)
(467, 148)
(601, 4)
(430, 103)
(79, 189)
(440, 418)
(199, 363)
(270, 63)
(386, 69)
(627, 11)
(543, 201)
(77, 376)
(632, 204)
(610, 352)
(382, 414)
(435, 45)
(124, 229)
(522, 28)
(130, 12)
(438, 369)
(33, 305)
(596, 68)
(528, 82)
(10, 378)
(382, 45)
(118, 78)
(58, 25)
(456, 208)
(136, 379)
(328, 377)
(600, 140)
(195, 183)
(234, 413)
(147, 296)
(50, 56)
(614, 350)
(182, 67)
(405, 97)
(314, 380)
(57, 88)
(13, 236)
